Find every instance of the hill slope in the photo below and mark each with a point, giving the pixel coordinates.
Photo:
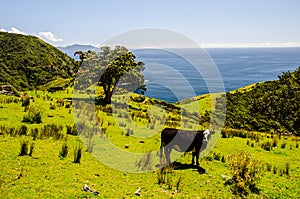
(27, 61)
(268, 106)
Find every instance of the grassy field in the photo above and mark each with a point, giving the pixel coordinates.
(46, 175)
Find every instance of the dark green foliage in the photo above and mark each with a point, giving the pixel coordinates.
(77, 153)
(297, 145)
(111, 69)
(64, 151)
(283, 145)
(269, 106)
(246, 173)
(28, 62)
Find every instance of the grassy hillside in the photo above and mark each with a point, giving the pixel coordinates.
(268, 106)
(27, 62)
(45, 174)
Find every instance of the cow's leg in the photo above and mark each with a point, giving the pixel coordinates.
(167, 154)
(197, 153)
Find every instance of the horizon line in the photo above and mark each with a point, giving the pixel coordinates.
(215, 45)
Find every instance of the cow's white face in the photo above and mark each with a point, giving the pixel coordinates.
(206, 134)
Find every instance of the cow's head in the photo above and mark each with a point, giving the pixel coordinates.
(206, 135)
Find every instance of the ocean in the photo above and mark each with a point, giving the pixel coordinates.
(176, 74)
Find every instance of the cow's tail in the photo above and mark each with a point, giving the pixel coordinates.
(161, 150)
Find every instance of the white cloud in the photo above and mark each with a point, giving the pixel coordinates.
(2, 30)
(16, 31)
(50, 36)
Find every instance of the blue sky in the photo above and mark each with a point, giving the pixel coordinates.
(214, 22)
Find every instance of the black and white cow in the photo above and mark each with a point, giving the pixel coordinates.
(183, 141)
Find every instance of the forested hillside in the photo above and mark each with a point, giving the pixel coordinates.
(269, 106)
(27, 62)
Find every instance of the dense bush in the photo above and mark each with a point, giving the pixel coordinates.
(246, 173)
(267, 106)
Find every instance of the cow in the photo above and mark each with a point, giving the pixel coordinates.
(183, 141)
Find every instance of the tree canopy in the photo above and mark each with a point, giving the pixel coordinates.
(111, 69)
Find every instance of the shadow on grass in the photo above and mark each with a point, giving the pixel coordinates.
(180, 166)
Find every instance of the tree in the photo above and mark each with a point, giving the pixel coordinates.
(111, 69)
(123, 70)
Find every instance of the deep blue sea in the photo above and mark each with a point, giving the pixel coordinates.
(189, 72)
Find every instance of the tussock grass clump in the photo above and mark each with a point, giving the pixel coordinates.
(246, 173)
(164, 176)
(267, 145)
(77, 153)
(283, 145)
(145, 163)
(52, 130)
(64, 151)
(25, 149)
(71, 130)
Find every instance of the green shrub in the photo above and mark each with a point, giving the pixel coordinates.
(64, 151)
(283, 145)
(34, 115)
(246, 173)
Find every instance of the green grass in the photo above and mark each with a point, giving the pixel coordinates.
(46, 175)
